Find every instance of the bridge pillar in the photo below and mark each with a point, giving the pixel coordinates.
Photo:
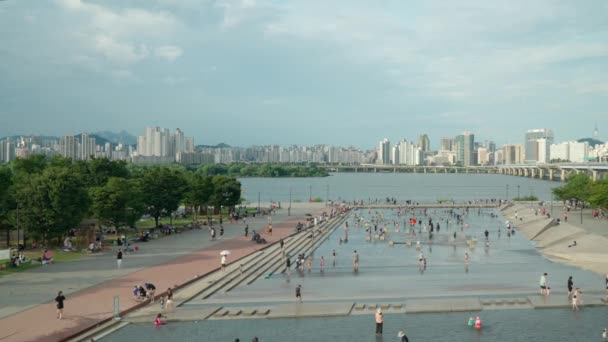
(356, 169)
(375, 170)
(526, 172)
(435, 169)
(424, 168)
(541, 174)
(551, 175)
(532, 173)
(394, 170)
(455, 170)
(563, 176)
(594, 175)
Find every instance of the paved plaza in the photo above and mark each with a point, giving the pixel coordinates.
(91, 283)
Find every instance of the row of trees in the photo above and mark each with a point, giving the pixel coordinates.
(49, 197)
(581, 188)
(263, 170)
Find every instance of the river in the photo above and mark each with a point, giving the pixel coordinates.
(402, 186)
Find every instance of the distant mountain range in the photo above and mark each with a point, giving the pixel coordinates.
(101, 138)
(220, 145)
(122, 137)
(592, 142)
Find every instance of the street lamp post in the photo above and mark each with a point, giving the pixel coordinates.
(310, 194)
(289, 209)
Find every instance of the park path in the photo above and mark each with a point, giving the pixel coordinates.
(88, 307)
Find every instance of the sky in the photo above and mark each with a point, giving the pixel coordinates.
(340, 72)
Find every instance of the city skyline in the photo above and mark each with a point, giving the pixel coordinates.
(162, 146)
(352, 72)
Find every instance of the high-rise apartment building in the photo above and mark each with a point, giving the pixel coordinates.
(384, 152)
(537, 142)
(87, 147)
(161, 143)
(69, 147)
(572, 151)
(483, 156)
(513, 154)
(465, 153)
(395, 154)
(446, 144)
(409, 153)
(424, 142)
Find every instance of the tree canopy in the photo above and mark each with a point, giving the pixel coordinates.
(576, 188)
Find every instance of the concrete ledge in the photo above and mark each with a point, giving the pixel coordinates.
(551, 302)
(443, 305)
(300, 310)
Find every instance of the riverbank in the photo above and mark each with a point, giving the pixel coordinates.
(556, 241)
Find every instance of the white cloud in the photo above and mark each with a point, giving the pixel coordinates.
(170, 80)
(168, 52)
(121, 36)
(119, 52)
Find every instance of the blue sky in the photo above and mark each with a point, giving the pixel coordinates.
(305, 72)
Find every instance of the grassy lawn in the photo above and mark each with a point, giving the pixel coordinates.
(179, 222)
(58, 256)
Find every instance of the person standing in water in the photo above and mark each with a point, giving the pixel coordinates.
(355, 261)
(402, 336)
(322, 264)
(570, 286)
(299, 293)
(543, 284)
(379, 317)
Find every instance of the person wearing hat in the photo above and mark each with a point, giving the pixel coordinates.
(379, 321)
(402, 337)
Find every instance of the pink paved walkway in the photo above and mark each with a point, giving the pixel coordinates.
(89, 307)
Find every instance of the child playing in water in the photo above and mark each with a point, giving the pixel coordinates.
(159, 320)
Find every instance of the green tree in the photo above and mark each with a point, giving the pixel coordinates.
(226, 192)
(598, 195)
(198, 194)
(99, 170)
(118, 203)
(576, 188)
(6, 200)
(162, 190)
(35, 163)
(52, 202)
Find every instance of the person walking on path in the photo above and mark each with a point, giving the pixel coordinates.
(282, 244)
(270, 229)
(288, 265)
(246, 230)
(606, 299)
(355, 261)
(299, 293)
(169, 304)
(334, 265)
(570, 286)
(402, 336)
(221, 231)
(119, 258)
(575, 300)
(59, 299)
(543, 284)
(224, 260)
(379, 321)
